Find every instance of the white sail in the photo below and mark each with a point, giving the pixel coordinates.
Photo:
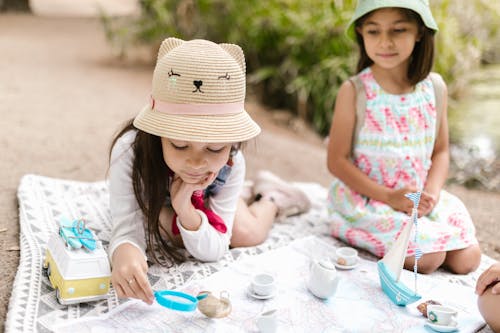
(394, 259)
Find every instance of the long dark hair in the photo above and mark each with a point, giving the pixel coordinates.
(150, 182)
(422, 57)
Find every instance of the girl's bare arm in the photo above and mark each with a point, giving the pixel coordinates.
(440, 155)
(339, 151)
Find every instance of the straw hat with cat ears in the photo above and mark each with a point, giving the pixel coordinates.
(198, 94)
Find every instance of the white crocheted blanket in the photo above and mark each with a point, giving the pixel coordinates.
(43, 201)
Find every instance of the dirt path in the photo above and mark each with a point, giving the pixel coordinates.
(62, 98)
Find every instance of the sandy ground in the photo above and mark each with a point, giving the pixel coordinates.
(62, 97)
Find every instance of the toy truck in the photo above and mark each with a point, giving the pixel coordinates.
(77, 274)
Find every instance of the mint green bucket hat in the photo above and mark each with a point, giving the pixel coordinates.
(421, 7)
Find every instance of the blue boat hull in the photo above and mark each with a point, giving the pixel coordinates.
(398, 293)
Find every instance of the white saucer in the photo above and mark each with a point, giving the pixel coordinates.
(339, 266)
(442, 328)
(257, 296)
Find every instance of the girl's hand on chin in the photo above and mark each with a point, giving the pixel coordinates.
(181, 192)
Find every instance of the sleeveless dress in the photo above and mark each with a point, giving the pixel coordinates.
(394, 148)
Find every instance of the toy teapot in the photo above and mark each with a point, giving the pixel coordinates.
(323, 279)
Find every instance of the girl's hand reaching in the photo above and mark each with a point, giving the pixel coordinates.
(129, 274)
(180, 196)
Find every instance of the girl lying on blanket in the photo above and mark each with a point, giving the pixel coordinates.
(401, 145)
(176, 171)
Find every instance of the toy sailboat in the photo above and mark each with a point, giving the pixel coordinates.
(391, 265)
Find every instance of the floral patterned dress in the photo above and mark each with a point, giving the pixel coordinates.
(394, 148)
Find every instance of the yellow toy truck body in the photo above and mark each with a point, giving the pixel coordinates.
(77, 275)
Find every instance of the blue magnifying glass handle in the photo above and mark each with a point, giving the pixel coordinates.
(177, 300)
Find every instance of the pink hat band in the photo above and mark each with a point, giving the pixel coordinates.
(196, 109)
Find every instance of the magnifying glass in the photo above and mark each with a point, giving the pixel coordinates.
(178, 300)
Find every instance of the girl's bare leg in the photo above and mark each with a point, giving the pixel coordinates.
(457, 261)
(252, 223)
(463, 261)
(275, 199)
(427, 264)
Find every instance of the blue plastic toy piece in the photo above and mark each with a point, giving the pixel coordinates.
(397, 291)
(84, 235)
(78, 226)
(177, 300)
(75, 235)
(66, 233)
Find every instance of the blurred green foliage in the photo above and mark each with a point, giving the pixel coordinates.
(469, 32)
(296, 50)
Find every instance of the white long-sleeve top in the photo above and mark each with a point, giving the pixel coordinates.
(205, 244)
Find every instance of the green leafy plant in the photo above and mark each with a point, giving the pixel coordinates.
(297, 52)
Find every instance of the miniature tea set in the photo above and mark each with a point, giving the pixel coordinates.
(323, 278)
(322, 282)
(441, 318)
(346, 258)
(208, 304)
(262, 286)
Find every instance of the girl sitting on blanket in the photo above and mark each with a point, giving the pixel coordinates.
(176, 170)
(397, 149)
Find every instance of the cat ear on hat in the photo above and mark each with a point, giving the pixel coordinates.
(168, 45)
(236, 52)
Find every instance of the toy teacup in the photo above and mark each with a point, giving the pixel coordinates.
(346, 256)
(442, 315)
(263, 284)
